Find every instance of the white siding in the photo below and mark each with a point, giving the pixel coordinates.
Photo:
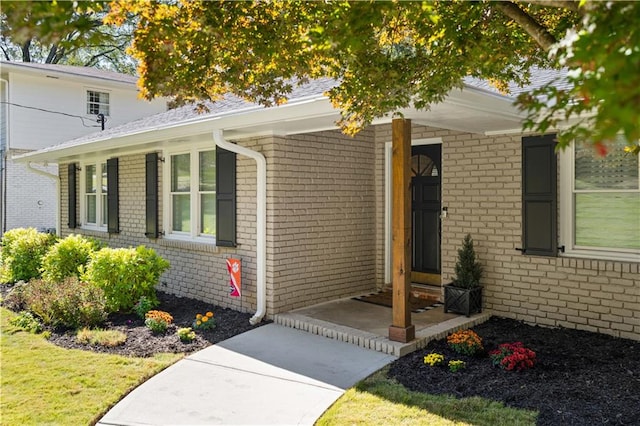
(33, 129)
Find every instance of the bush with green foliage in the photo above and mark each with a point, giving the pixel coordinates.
(125, 275)
(143, 306)
(70, 303)
(26, 321)
(66, 257)
(22, 253)
(468, 270)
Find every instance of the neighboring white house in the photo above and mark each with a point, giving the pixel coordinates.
(43, 105)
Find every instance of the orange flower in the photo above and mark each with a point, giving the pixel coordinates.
(198, 316)
(209, 314)
(205, 319)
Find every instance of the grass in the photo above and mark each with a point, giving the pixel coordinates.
(380, 400)
(107, 338)
(45, 384)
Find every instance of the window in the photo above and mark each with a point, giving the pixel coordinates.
(97, 103)
(94, 190)
(192, 193)
(600, 202)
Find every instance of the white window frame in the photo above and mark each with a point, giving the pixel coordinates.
(101, 222)
(195, 217)
(567, 217)
(100, 104)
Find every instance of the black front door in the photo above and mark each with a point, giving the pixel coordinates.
(425, 209)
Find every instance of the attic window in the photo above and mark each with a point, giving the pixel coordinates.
(97, 103)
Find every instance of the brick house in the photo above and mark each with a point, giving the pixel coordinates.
(550, 257)
(46, 104)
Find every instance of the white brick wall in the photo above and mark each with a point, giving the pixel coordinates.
(481, 186)
(30, 197)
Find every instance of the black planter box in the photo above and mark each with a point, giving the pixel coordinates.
(462, 300)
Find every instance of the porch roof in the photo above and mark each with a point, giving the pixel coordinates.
(476, 108)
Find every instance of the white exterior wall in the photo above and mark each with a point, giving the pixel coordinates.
(32, 129)
(30, 198)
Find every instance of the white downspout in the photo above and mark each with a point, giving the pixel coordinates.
(261, 219)
(57, 179)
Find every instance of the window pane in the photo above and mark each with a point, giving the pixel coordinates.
(608, 220)
(104, 178)
(181, 213)
(180, 173)
(618, 170)
(208, 214)
(91, 178)
(91, 208)
(208, 171)
(104, 209)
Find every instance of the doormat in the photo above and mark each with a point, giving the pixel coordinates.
(384, 298)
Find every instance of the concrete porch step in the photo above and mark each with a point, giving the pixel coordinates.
(376, 342)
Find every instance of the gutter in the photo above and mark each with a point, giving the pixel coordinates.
(261, 219)
(4, 149)
(57, 179)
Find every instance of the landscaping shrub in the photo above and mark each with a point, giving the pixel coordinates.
(26, 321)
(22, 253)
(70, 303)
(143, 306)
(125, 275)
(65, 257)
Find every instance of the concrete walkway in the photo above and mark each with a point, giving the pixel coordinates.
(269, 375)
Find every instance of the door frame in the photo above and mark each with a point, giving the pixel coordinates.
(388, 198)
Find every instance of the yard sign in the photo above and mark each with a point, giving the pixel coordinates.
(233, 266)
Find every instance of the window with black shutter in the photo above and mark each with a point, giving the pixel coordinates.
(151, 195)
(539, 196)
(113, 216)
(225, 198)
(72, 195)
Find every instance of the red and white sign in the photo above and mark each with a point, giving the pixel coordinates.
(235, 272)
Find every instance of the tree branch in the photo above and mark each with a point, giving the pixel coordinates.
(52, 54)
(26, 54)
(537, 32)
(92, 61)
(6, 54)
(573, 6)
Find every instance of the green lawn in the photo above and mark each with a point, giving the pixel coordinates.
(44, 384)
(378, 400)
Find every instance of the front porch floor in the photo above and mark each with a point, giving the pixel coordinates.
(367, 325)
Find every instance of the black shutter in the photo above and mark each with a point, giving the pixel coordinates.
(225, 198)
(113, 220)
(539, 196)
(151, 194)
(72, 200)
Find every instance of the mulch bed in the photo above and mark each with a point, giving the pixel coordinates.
(580, 378)
(141, 342)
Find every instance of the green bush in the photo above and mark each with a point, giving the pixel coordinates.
(143, 306)
(70, 303)
(26, 321)
(125, 275)
(65, 257)
(22, 252)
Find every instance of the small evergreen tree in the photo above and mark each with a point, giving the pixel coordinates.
(468, 271)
